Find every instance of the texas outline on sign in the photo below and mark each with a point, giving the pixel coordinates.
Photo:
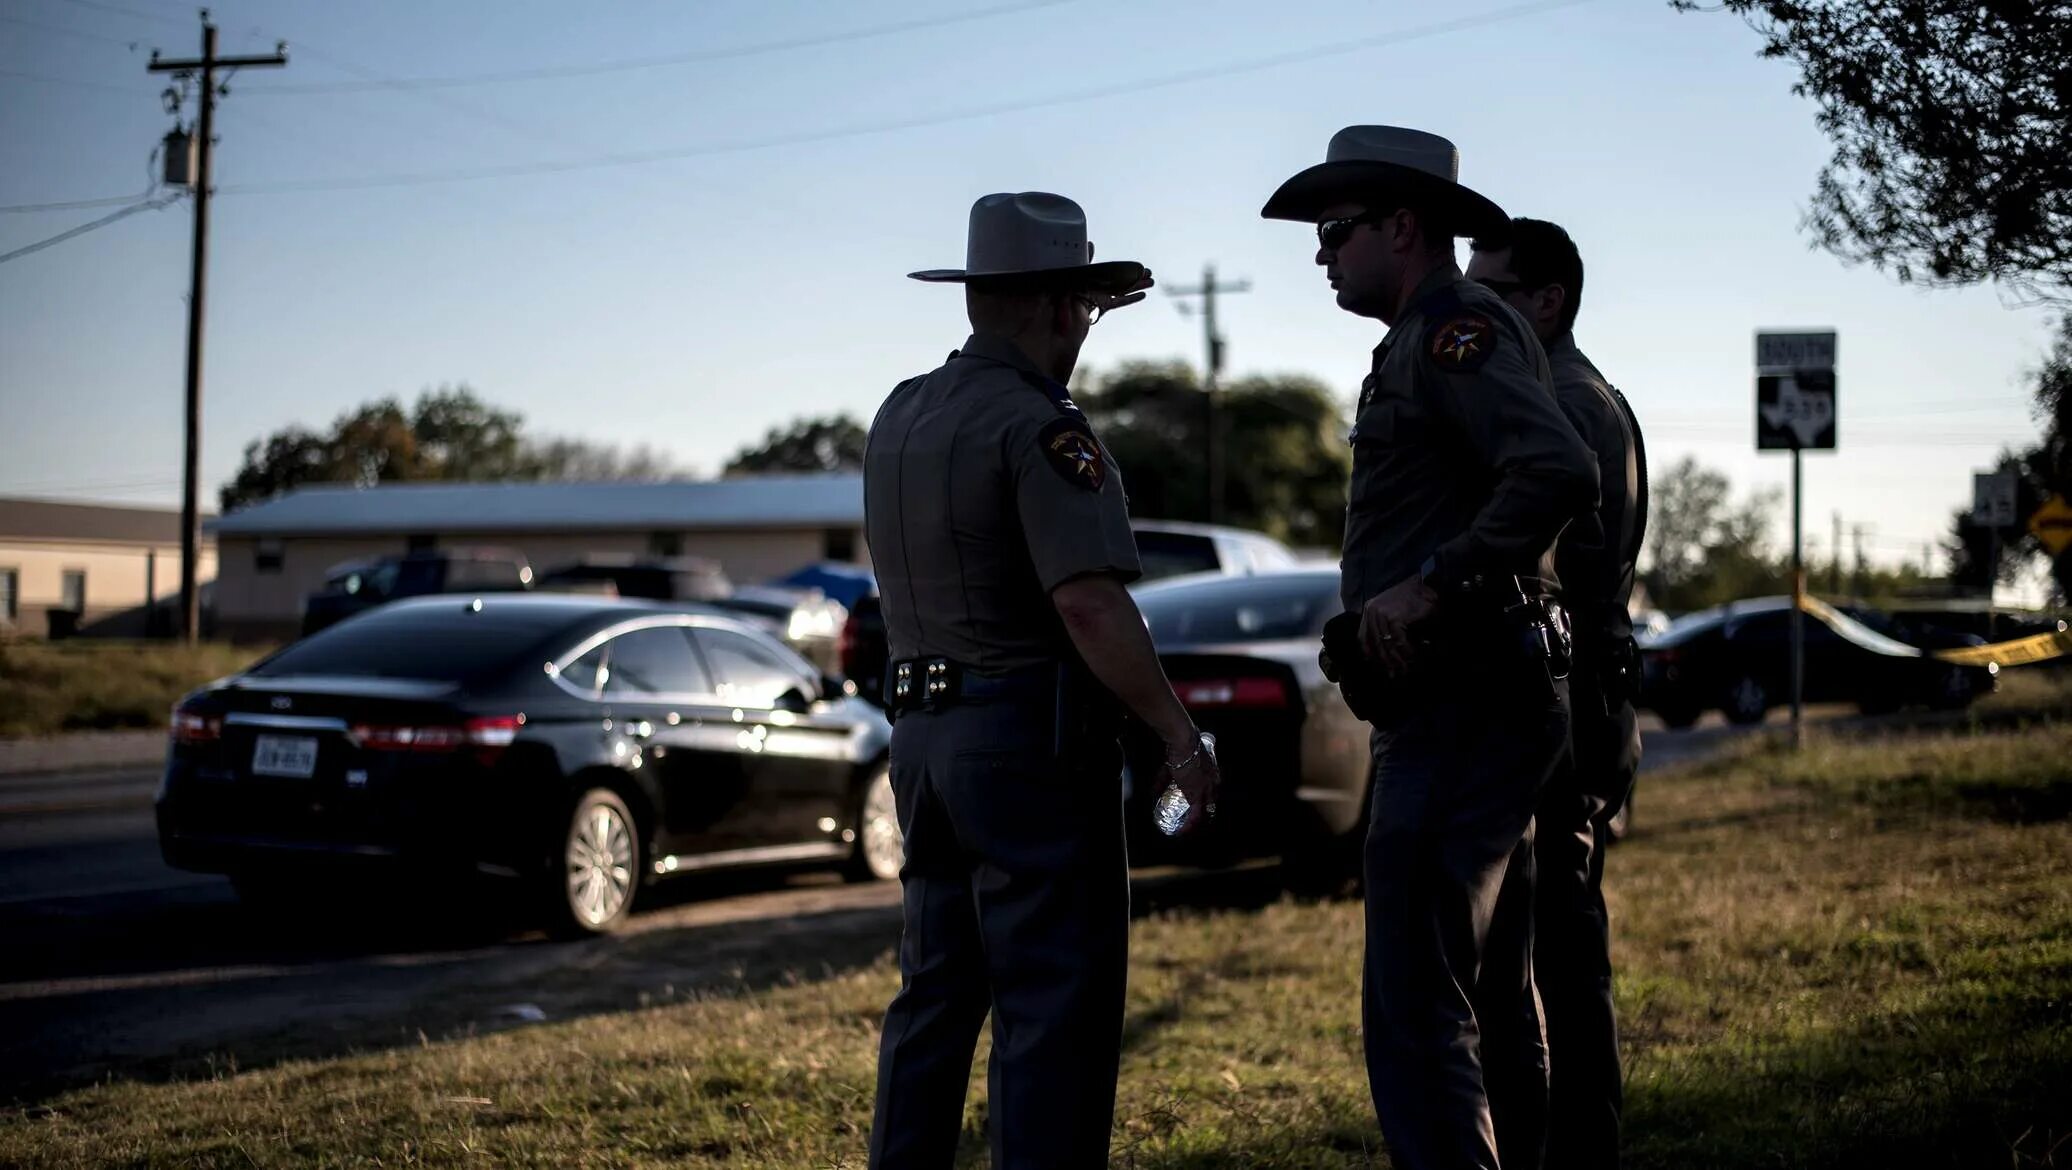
(1801, 405)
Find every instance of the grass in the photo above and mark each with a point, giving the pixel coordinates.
(1859, 955)
(93, 684)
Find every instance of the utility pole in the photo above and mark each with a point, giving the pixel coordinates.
(205, 67)
(1834, 566)
(1857, 569)
(1212, 346)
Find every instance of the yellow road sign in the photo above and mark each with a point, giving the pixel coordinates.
(2052, 524)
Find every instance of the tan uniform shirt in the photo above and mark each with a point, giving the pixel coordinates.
(985, 489)
(1597, 553)
(1460, 455)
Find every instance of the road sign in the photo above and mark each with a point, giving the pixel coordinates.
(1795, 411)
(1795, 391)
(2052, 524)
(1785, 352)
(1992, 499)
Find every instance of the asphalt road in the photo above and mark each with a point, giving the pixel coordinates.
(116, 964)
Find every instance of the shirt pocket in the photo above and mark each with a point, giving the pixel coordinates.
(1389, 421)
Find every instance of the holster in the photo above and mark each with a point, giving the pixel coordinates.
(1369, 692)
(1516, 629)
(1615, 665)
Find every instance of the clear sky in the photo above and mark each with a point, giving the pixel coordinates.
(726, 247)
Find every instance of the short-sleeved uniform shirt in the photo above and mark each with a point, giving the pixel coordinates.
(984, 489)
(1460, 455)
(1597, 553)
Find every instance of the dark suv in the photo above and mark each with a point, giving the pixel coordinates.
(357, 586)
(1737, 658)
(666, 579)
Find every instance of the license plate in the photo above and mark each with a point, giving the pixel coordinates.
(285, 755)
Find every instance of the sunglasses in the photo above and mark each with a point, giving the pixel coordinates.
(1333, 233)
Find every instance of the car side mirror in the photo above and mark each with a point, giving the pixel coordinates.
(795, 701)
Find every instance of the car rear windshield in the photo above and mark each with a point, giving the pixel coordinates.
(439, 642)
(1172, 554)
(1240, 609)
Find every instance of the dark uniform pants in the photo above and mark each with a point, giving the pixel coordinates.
(1016, 886)
(1456, 781)
(1572, 952)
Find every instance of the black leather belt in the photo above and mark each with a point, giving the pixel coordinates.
(921, 684)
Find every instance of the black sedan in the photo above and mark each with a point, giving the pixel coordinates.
(1242, 656)
(577, 746)
(1737, 657)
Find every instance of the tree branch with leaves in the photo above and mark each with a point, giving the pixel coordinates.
(1952, 159)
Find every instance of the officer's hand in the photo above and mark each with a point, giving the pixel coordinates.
(1386, 620)
(1199, 781)
(1109, 302)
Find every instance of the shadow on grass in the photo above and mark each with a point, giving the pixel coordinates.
(1975, 1077)
(175, 990)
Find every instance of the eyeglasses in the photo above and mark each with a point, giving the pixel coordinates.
(1333, 233)
(1094, 309)
(1504, 288)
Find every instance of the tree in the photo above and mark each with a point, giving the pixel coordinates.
(1704, 549)
(375, 444)
(459, 437)
(834, 443)
(1952, 160)
(2040, 472)
(1286, 462)
(279, 463)
(581, 461)
(450, 434)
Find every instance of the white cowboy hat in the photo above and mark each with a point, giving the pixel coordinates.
(1037, 238)
(1364, 162)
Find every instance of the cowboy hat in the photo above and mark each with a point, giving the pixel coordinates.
(1034, 239)
(1364, 162)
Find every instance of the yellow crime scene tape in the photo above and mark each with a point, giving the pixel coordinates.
(2015, 652)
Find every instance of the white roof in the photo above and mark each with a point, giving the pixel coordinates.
(767, 501)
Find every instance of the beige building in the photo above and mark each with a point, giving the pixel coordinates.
(760, 527)
(90, 569)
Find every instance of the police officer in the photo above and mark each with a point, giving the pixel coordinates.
(1464, 472)
(1000, 533)
(1535, 267)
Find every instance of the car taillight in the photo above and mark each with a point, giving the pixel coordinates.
(1232, 692)
(192, 726)
(488, 736)
(845, 647)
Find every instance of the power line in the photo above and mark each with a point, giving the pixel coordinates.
(628, 64)
(78, 82)
(62, 31)
(800, 138)
(82, 229)
(90, 486)
(76, 204)
(528, 132)
(118, 10)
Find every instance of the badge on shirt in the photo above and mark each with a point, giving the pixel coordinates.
(1463, 343)
(1074, 453)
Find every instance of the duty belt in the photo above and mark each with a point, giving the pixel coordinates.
(925, 684)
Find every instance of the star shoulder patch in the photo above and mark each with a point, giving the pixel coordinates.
(1462, 343)
(1074, 453)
